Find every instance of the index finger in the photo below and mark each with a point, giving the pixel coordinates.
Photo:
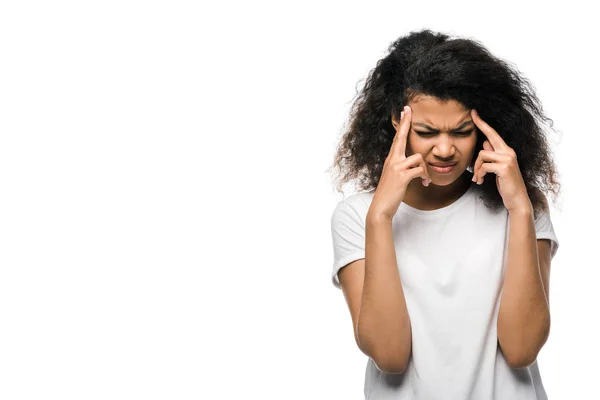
(495, 139)
(399, 143)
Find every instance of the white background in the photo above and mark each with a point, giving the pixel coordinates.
(165, 201)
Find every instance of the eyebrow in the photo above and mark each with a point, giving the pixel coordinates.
(461, 126)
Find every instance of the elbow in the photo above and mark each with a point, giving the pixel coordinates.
(521, 358)
(390, 356)
(393, 362)
(522, 353)
(520, 362)
(387, 361)
(390, 366)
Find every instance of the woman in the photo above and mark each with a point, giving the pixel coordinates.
(444, 256)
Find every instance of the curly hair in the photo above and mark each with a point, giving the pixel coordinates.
(429, 63)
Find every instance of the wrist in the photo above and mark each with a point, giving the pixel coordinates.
(378, 218)
(521, 211)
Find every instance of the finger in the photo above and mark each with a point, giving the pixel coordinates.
(416, 160)
(426, 178)
(498, 168)
(495, 139)
(417, 172)
(480, 179)
(479, 174)
(495, 168)
(402, 134)
(395, 140)
(490, 157)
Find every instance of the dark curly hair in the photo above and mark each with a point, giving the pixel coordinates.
(428, 63)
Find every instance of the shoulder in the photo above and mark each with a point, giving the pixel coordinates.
(358, 201)
(540, 203)
(356, 204)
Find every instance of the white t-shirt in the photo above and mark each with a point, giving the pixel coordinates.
(451, 263)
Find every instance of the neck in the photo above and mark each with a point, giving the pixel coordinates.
(433, 196)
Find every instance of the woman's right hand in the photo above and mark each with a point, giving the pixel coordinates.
(398, 171)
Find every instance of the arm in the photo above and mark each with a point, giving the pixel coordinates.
(524, 314)
(381, 321)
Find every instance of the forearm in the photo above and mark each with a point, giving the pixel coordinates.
(383, 327)
(524, 314)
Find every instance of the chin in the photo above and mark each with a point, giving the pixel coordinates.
(438, 183)
(445, 181)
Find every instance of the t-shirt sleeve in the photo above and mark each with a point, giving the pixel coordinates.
(348, 235)
(545, 230)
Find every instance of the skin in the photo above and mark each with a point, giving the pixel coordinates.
(374, 294)
(523, 323)
(446, 145)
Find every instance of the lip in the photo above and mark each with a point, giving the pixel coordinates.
(443, 168)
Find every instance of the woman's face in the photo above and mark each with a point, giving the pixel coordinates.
(443, 132)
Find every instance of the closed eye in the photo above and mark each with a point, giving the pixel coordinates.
(461, 133)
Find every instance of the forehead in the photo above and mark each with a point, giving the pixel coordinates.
(436, 113)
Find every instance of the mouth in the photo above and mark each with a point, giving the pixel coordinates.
(443, 168)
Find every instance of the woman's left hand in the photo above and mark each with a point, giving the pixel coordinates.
(499, 158)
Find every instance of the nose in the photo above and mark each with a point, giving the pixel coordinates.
(444, 148)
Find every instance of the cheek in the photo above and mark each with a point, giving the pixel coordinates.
(472, 144)
(472, 149)
(414, 143)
